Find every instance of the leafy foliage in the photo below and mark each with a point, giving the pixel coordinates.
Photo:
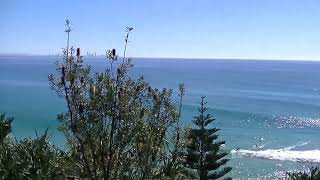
(312, 174)
(203, 149)
(116, 127)
(5, 126)
(30, 159)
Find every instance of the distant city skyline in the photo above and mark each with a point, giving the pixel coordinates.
(210, 29)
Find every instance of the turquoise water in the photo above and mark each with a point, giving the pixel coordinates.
(269, 109)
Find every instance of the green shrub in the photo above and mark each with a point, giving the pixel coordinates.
(312, 174)
(203, 149)
(117, 127)
(30, 159)
(5, 127)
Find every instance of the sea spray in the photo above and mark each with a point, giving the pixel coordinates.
(284, 154)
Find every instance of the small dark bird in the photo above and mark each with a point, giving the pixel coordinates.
(113, 52)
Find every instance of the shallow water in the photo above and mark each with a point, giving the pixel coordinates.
(268, 109)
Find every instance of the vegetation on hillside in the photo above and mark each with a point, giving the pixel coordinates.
(203, 150)
(312, 174)
(29, 158)
(116, 127)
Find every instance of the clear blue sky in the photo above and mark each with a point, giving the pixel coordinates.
(248, 29)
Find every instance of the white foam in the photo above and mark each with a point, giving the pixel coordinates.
(285, 154)
(296, 122)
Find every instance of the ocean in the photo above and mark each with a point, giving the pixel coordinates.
(268, 109)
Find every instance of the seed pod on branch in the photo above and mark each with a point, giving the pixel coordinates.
(63, 71)
(121, 89)
(138, 89)
(80, 108)
(141, 113)
(155, 97)
(72, 81)
(73, 127)
(78, 52)
(119, 95)
(62, 79)
(119, 71)
(93, 89)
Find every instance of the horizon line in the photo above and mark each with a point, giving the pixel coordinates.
(186, 58)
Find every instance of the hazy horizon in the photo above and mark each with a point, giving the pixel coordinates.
(182, 58)
(246, 29)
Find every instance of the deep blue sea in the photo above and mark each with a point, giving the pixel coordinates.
(268, 109)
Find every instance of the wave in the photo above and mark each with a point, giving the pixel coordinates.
(285, 154)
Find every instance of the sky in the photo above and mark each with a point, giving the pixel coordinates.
(228, 29)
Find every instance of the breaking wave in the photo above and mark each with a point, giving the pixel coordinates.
(285, 154)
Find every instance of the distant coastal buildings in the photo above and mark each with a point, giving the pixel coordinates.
(89, 54)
